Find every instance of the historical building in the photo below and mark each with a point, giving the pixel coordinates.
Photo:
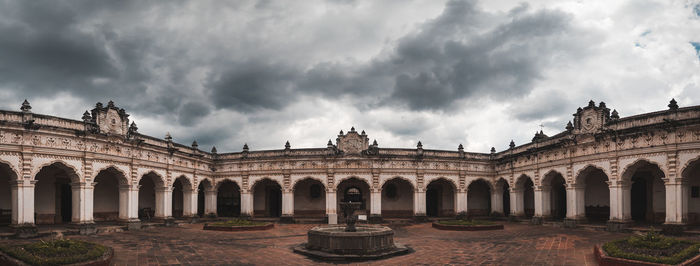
(600, 168)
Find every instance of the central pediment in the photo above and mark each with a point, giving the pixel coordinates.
(352, 142)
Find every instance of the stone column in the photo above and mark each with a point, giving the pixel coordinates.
(620, 212)
(287, 206)
(128, 203)
(331, 205)
(164, 200)
(517, 202)
(497, 201)
(82, 203)
(575, 202)
(419, 204)
(210, 202)
(461, 202)
(189, 202)
(677, 193)
(23, 202)
(23, 207)
(542, 203)
(246, 203)
(375, 210)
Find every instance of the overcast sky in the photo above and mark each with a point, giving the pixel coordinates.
(478, 73)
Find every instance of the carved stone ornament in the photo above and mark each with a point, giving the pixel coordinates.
(352, 143)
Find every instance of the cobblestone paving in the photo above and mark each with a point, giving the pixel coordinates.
(518, 244)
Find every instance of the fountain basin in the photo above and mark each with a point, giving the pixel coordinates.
(367, 243)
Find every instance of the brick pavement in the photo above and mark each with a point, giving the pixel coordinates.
(518, 244)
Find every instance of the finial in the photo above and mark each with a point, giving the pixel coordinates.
(287, 146)
(86, 116)
(615, 115)
(352, 129)
(195, 145)
(420, 145)
(168, 137)
(374, 143)
(460, 147)
(26, 107)
(569, 126)
(591, 104)
(493, 150)
(512, 144)
(110, 104)
(330, 144)
(245, 147)
(579, 110)
(213, 149)
(602, 105)
(363, 133)
(341, 132)
(133, 127)
(98, 105)
(672, 104)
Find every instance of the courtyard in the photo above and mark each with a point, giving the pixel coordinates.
(518, 244)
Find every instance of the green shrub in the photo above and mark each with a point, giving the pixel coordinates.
(237, 222)
(55, 252)
(650, 247)
(465, 222)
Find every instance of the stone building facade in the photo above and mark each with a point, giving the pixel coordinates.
(602, 167)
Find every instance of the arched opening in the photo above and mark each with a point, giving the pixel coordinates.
(440, 198)
(228, 199)
(554, 184)
(502, 185)
(478, 198)
(53, 195)
(647, 202)
(526, 197)
(364, 197)
(180, 187)
(6, 176)
(267, 199)
(106, 194)
(147, 195)
(397, 199)
(596, 194)
(691, 174)
(202, 188)
(309, 198)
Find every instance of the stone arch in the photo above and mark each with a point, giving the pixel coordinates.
(53, 195)
(488, 182)
(525, 196)
(228, 198)
(592, 181)
(503, 187)
(219, 182)
(690, 174)
(186, 181)
(13, 173)
(647, 193)
(203, 185)
(182, 190)
(479, 197)
(296, 181)
(554, 198)
(157, 179)
(75, 175)
(152, 192)
(441, 197)
(383, 181)
(107, 198)
(344, 184)
(589, 167)
(7, 177)
(365, 180)
(397, 197)
(267, 197)
(111, 167)
(309, 197)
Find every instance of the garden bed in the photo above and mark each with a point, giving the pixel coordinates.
(648, 249)
(238, 225)
(466, 225)
(56, 252)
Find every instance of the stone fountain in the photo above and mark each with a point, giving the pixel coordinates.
(351, 242)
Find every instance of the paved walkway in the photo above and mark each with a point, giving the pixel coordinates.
(518, 244)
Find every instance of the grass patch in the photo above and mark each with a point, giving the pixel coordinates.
(466, 222)
(653, 247)
(55, 252)
(237, 222)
